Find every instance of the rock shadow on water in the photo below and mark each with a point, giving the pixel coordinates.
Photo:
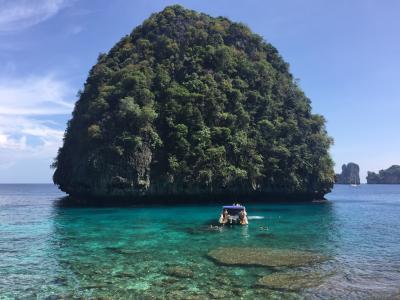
(73, 202)
(208, 199)
(123, 251)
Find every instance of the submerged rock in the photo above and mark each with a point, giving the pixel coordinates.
(179, 272)
(125, 275)
(53, 297)
(218, 293)
(60, 281)
(168, 281)
(238, 291)
(265, 293)
(122, 251)
(184, 295)
(291, 281)
(264, 257)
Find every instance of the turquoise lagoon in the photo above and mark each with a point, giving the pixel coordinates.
(52, 250)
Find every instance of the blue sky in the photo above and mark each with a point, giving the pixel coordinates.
(345, 53)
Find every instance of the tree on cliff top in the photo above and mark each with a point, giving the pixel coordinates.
(188, 103)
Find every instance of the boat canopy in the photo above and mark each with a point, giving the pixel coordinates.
(239, 207)
(233, 210)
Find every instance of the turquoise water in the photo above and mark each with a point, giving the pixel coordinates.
(51, 250)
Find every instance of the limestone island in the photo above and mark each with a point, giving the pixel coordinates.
(187, 107)
(350, 174)
(388, 176)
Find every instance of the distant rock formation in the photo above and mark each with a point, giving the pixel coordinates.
(388, 176)
(350, 174)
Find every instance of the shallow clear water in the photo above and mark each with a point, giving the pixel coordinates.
(51, 250)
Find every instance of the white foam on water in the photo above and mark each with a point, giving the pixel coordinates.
(255, 217)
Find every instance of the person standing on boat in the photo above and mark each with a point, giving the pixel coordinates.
(243, 217)
(224, 217)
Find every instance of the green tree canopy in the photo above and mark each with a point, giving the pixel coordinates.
(190, 104)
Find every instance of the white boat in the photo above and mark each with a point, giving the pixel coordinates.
(233, 214)
(355, 183)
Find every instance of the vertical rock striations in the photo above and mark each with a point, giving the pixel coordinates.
(350, 174)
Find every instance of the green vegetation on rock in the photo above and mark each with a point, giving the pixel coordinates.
(188, 104)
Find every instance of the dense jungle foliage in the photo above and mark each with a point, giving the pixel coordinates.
(191, 104)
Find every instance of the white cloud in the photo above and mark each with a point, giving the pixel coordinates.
(34, 96)
(21, 14)
(14, 135)
(12, 144)
(27, 110)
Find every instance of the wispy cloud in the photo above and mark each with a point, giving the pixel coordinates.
(27, 110)
(20, 14)
(76, 29)
(34, 96)
(12, 144)
(14, 140)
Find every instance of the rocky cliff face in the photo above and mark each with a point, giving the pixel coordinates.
(188, 105)
(388, 176)
(350, 174)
